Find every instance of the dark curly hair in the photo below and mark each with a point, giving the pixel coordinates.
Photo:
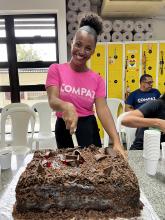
(144, 76)
(93, 20)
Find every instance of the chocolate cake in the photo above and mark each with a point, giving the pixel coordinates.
(89, 183)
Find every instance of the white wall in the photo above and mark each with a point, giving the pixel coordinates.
(8, 7)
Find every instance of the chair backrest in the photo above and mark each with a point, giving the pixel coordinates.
(20, 118)
(13, 105)
(129, 132)
(113, 104)
(45, 113)
(119, 125)
(7, 108)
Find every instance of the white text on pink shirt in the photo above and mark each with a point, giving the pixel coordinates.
(77, 91)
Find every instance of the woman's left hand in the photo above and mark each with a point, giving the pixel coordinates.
(121, 150)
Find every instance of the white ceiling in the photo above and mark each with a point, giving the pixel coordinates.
(132, 8)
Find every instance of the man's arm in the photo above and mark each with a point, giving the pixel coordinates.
(128, 108)
(129, 102)
(136, 119)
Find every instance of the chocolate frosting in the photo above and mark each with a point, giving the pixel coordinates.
(90, 179)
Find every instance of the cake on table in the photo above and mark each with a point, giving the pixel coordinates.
(76, 183)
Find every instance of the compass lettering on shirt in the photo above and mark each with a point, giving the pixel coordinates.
(141, 100)
(77, 91)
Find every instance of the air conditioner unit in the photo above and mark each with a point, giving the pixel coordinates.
(139, 8)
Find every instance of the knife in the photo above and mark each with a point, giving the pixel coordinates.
(74, 139)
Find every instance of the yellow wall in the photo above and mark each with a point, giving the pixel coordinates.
(98, 60)
(115, 70)
(132, 67)
(122, 64)
(161, 73)
(149, 53)
(98, 64)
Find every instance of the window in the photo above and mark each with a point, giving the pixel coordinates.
(28, 46)
(2, 28)
(3, 53)
(33, 27)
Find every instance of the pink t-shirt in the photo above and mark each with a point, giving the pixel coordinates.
(79, 88)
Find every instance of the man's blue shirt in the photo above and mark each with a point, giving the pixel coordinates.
(138, 97)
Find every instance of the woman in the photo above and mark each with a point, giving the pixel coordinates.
(150, 114)
(73, 89)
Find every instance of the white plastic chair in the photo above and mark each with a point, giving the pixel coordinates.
(113, 104)
(20, 119)
(129, 132)
(45, 133)
(8, 138)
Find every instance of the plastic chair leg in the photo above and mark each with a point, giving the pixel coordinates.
(37, 145)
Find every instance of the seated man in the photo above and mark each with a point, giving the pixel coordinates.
(136, 99)
(151, 114)
(142, 95)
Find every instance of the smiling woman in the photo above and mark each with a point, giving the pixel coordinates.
(73, 89)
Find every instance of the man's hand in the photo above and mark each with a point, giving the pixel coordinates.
(70, 117)
(161, 124)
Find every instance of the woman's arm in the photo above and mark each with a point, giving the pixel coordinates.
(136, 119)
(108, 124)
(68, 110)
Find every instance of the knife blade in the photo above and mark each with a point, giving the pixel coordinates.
(74, 139)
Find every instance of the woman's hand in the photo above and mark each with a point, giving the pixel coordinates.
(121, 150)
(68, 110)
(70, 117)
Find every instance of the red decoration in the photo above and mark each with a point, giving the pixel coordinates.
(49, 164)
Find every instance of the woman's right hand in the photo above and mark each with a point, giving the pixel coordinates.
(70, 117)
